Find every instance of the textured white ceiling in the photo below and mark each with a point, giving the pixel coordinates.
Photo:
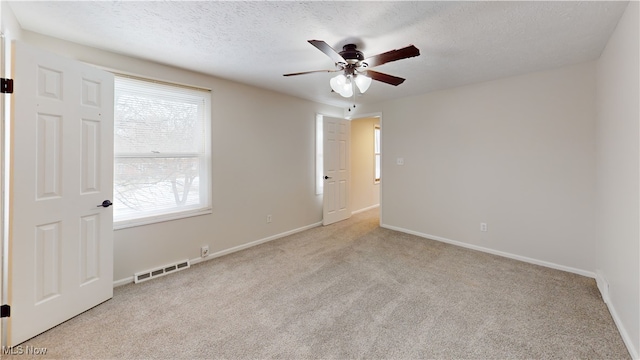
(256, 42)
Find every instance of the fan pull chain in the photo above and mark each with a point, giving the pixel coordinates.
(353, 86)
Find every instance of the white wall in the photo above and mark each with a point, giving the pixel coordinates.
(618, 180)
(8, 22)
(516, 153)
(364, 193)
(263, 147)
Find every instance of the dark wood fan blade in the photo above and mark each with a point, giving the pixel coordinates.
(310, 72)
(393, 55)
(328, 50)
(385, 78)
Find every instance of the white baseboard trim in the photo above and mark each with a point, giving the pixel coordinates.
(125, 281)
(365, 209)
(253, 243)
(495, 252)
(623, 332)
(603, 286)
(214, 255)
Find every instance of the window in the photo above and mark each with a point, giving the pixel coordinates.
(319, 155)
(376, 154)
(162, 152)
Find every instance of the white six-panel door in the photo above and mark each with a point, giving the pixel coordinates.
(61, 168)
(336, 145)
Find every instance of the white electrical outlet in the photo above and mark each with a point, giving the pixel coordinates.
(268, 219)
(483, 226)
(204, 251)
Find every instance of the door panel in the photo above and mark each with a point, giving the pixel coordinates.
(48, 157)
(61, 169)
(90, 162)
(336, 138)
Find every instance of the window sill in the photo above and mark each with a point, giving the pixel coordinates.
(124, 224)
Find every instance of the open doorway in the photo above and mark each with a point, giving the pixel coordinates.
(365, 162)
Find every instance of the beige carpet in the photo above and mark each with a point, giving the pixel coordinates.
(345, 291)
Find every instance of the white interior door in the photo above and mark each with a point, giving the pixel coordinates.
(61, 170)
(336, 145)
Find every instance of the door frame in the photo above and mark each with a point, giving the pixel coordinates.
(4, 243)
(350, 118)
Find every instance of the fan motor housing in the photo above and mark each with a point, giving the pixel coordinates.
(351, 54)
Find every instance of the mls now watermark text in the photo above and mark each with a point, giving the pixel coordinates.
(23, 350)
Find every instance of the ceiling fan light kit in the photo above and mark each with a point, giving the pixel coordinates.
(363, 82)
(355, 67)
(342, 85)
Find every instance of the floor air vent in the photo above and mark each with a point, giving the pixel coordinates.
(161, 271)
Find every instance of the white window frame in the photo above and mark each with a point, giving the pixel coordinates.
(376, 155)
(319, 154)
(204, 207)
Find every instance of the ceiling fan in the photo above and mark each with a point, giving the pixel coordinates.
(355, 67)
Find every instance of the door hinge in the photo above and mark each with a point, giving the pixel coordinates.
(6, 86)
(5, 311)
